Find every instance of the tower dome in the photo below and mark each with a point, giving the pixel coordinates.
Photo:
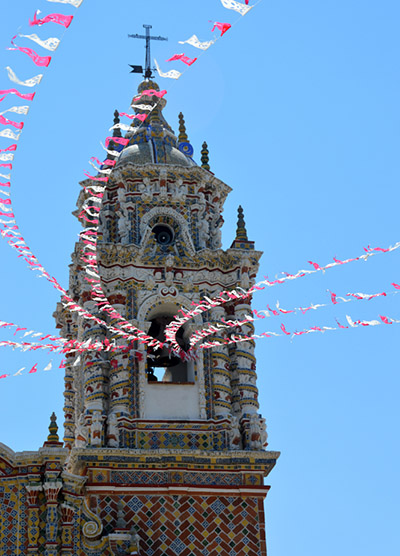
(153, 140)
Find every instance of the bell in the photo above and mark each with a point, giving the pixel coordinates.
(163, 358)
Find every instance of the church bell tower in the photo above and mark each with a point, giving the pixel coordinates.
(166, 453)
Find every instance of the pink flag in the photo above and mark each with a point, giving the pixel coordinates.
(150, 92)
(106, 162)
(9, 214)
(385, 319)
(8, 165)
(315, 265)
(94, 177)
(10, 148)
(119, 140)
(368, 249)
(34, 368)
(38, 60)
(276, 313)
(333, 297)
(25, 96)
(6, 121)
(284, 330)
(258, 315)
(64, 20)
(4, 376)
(185, 59)
(223, 27)
(397, 286)
(340, 325)
(140, 117)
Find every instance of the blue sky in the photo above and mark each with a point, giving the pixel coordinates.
(299, 105)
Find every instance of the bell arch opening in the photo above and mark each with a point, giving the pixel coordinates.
(163, 365)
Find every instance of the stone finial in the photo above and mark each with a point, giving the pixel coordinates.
(53, 428)
(241, 240)
(182, 137)
(204, 157)
(241, 232)
(116, 132)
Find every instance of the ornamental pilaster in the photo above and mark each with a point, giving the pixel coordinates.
(32, 493)
(51, 489)
(67, 517)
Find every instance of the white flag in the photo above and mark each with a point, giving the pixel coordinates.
(9, 134)
(172, 74)
(194, 41)
(49, 44)
(28, 82)
(6, 156)
(242, 9)
(17, 110)
(75, 3)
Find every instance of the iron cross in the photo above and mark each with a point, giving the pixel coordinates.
(139, 69)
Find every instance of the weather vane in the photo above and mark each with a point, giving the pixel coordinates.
(148, 71)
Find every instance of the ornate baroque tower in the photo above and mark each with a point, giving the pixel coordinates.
(164, 456)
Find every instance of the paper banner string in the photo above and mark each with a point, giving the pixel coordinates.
(25, 96)
(36, 59)
(194, 41)
(60, 19)
(370, 252)
(223, 27)
(52, 43)
(75, 3)
(172, 74)
(262, 314)
(236, 338)
(185, 59)
(27, 83)
(242, 9)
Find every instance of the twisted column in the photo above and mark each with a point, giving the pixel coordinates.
(221, 372)
(246, 366)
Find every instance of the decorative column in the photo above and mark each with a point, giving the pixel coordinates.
(32, 492)
(221, 372)
(51, 488)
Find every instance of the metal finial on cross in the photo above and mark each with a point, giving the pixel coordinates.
(148, 72)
